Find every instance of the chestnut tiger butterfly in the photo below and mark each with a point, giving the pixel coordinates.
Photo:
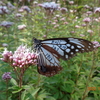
(51, 50)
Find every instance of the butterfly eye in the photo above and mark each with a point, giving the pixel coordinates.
(51, 50)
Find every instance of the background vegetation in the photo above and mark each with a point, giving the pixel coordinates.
(80, 77)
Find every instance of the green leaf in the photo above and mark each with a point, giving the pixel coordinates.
(13, 81)
(50, 98)
(42, 95)
(23, 95)
(16, 89)
(34, 92)
(9, 98)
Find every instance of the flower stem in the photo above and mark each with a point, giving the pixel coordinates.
(89, 78)
(76, 81)
(7, 90)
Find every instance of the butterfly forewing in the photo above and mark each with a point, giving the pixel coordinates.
(68, 47)
(51, 50)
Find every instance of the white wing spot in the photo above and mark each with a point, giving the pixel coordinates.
(55, 47)
(50, 41)
(68, 45)
(62, 46)
(76, 50)
(48, 55)
(83, 49)
(55, 64)
(62, 42)
(72, 47)
(76, 41)
(58, 42)
(72, 53)
(56, 60)
(66, 56)
(89, 47)
(89, 43)
(79, 46)
(67, 50)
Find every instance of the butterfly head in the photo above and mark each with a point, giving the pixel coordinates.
(37, 43)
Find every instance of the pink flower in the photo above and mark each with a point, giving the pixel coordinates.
(72, 32)
(19, 15)
(35, 2)
(97, 10)
(44, 36)
(4, 44)
(57, 16)
(89, 31)
(63, 19)
(72, 11)
(6, 76)
(56, 26)
(4, 10)
(71, 2)
(77, 26)
(65, 22)
(25, 8)
(82, 35)
(86, 6)
(97, 20)
(86, 20)
(83, 25)
(6, 55)
(49, 5)
(54, 23)
(22, 57)
(89, 12)
(21, 27)
(63, 10)
(96, 44)
(6, 24)
(10, 6)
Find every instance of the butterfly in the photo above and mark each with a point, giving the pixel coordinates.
(51, 50)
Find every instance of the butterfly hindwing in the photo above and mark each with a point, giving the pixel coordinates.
(48, 61)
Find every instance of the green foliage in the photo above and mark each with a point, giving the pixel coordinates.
(80, 77)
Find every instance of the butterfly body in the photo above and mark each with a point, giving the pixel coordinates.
(51, 50)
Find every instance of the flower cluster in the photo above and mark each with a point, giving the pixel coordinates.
(96, 44)
(71, 2)
(89, 31)
(22, 57)
(18, 15)
(86, 20)
(64, 10)
(97, 10)
(6, 76)
(6, 24)
(3, 10)
(7, 56)
(21, 27)
(10, 6)
(50, 6)
(25, 8)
